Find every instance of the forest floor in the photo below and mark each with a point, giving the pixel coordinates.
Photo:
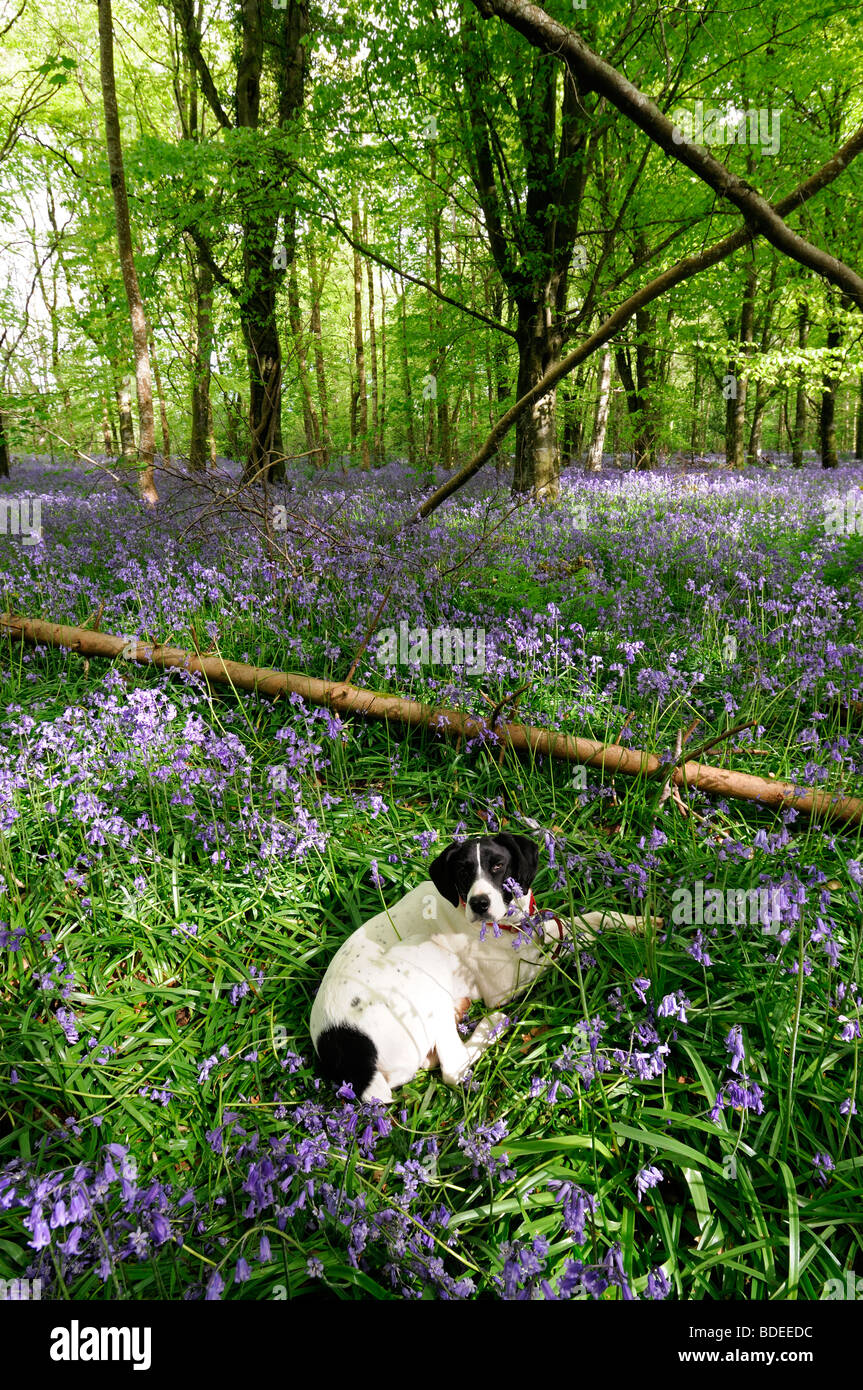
(673, 1115)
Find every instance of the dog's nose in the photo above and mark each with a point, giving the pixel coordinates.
(480, 903)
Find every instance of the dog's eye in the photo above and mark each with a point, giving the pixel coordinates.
(496, 868)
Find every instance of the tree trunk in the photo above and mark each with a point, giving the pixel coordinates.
(827, 412)
(490, 364)
(762, 393)
(373, 352)
(235, 417)
(635, 407)
(382, 418)
(264, 263)
(310, 419)
(616, 408)
(316, 289)
(362, 427)
(648, 389)
(406, 376)
(858, 439)
(265, 457)
(438, 366)
(106, 427)
(532, 233)
(201, 365)
(573, 428)
(211, 433)
(696, 388)
(496, 369)
(800, 404)
(641, 390)
(124, 413)
(274, 31)
(163, 413)
(757, 430)
(4, 448)
(352, 413)
(600, 419)
(537, 456)
(735, 403)
(201, 441)
(56, 368)
(147, 443)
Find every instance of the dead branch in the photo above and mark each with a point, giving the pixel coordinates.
(450, 723)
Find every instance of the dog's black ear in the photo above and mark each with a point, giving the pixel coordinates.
(525, 858)
(442, 873)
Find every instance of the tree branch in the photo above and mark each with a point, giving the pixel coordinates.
(549, 36)
(184, 11)
(675, 275)
(389, 265)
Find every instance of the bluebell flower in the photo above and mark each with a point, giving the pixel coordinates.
(823, 1164)
(658, 1286)
(640, 986)
(646, 1178)
(734, 1045)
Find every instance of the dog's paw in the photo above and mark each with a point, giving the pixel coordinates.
(455, 1078)
(455, 1061)
(589, 923)
(378, 1089)
(485, 1032)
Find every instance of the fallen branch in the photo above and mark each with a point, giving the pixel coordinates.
(451, 723)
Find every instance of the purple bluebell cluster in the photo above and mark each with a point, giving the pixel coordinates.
(115, 779)
(94, 1219)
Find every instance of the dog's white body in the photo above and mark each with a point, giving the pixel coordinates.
(406, 976)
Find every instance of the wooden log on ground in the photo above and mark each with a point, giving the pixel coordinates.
(450, 723)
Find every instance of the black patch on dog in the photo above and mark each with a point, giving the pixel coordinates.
(347, 1054)
(525, 860)
(442, 872)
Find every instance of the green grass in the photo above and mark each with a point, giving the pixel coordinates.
(740, 1213)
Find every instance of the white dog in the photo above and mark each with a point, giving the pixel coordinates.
(394, 992)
